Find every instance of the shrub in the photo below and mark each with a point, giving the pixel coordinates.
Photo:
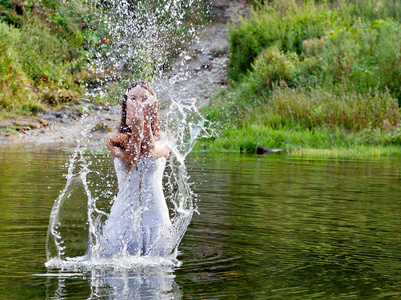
(334, 46)
(365, 56)
(16, 91)
(284, 24)
(387, 56)
(42, 54)
(8, 15)
(272, 67)
(39, 62)
(368, 10)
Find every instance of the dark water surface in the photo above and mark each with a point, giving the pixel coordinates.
(270, 227)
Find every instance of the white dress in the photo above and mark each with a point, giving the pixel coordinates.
(139, 222)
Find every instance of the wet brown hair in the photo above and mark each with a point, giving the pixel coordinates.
(124, 128)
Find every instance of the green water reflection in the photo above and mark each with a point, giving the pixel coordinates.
(300, 228)
(269, 227)
(29, 183)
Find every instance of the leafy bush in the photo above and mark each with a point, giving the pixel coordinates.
(47, 60)
(364, 57)
(368, 10)
(272, 67)
(8, 15)
(42, 53)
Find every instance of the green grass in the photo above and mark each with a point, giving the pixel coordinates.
(299, 119)
(248, 137)
(312, 44)
(312, 75)
(41, 57)
(303, 142)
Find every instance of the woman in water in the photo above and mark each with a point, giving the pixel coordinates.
(139, 222)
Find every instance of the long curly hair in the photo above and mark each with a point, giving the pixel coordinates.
(124, 128)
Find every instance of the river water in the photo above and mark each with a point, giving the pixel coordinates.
(269, 227)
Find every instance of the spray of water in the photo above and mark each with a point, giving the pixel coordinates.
(138, 39)
(141, 35)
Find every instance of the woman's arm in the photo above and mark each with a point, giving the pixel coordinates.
(117, 140)
(149, 146)
(131, 144)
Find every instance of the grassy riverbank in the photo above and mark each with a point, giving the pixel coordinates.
(52, 52)
(313, 75)
(41, 55)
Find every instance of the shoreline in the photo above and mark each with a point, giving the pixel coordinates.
(204, 65)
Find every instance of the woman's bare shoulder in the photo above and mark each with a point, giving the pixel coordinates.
(162, 150)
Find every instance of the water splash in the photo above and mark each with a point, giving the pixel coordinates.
(138, 39)
(82, 207)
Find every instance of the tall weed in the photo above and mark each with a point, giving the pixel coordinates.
(321, 108)
(42, 57)
(368, 10)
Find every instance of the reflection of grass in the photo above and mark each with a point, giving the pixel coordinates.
(357, 152)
